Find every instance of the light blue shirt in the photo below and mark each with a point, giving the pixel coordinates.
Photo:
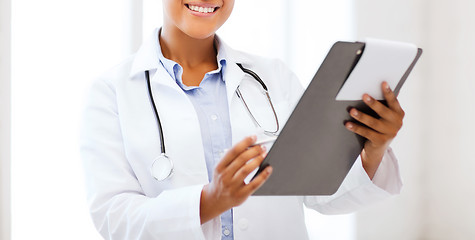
(211, 106)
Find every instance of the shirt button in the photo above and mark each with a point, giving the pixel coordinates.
(226, 232)
(214, 117)
(243, 224)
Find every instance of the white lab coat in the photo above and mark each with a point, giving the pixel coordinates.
(120, 140)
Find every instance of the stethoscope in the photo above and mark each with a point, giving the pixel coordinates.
(162, 166)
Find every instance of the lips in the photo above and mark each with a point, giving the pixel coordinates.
(199, 8)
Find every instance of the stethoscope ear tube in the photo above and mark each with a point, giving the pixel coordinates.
(254, 75)
(266, 92)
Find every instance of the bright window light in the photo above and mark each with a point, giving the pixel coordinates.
(58, 47)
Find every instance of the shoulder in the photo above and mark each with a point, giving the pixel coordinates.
(257, 62)
(102, 90)
(278, 77)
(117, 73)
(273, 71)
(269, 68)
(112, 77)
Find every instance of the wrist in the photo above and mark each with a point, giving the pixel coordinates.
(371, 161)
(209, 205)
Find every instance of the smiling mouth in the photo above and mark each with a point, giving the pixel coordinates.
(199, 9)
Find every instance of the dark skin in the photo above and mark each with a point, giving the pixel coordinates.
(197, 57)
(227, 188)
(188, 39)
(379, 132)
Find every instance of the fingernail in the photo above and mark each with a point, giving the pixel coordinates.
(263, 148)
(368, 99)
(269, 170)
(264, 155)
(221, 153)
(349, 125)
(354, 112)
(254, 138)
(386, 87)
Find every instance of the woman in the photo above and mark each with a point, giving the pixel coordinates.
(193, 79)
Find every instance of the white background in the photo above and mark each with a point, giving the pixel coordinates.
(436, 145)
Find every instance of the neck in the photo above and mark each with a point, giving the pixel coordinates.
(185, 50)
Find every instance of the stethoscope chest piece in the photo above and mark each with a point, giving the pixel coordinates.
(162, 168)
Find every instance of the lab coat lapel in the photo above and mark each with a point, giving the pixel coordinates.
(179, 122)
(241, 123)
(163, 78)
(233, 77)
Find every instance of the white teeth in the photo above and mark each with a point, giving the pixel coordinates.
(201, 9)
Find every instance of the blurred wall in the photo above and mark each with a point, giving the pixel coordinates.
(58, 48)
(435, 146)
(5, 30)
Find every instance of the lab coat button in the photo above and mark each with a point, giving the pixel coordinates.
(214, 117)
(243, 224)
(226, 232)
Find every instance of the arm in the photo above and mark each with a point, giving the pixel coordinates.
(118, 205)
(366, 183)
(358, 190)
(375, 174)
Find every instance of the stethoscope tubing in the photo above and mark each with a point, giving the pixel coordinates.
(254, 75)
(152, 100)
(163, 158)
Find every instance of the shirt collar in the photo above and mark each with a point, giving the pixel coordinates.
(221, 57)
(150, 56)
(175, 70)
(147, 57)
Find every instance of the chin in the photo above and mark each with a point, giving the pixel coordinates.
(200, 32)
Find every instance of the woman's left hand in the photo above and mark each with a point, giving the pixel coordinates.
(378, 132)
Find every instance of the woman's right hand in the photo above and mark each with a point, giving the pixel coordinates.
(227, 189)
